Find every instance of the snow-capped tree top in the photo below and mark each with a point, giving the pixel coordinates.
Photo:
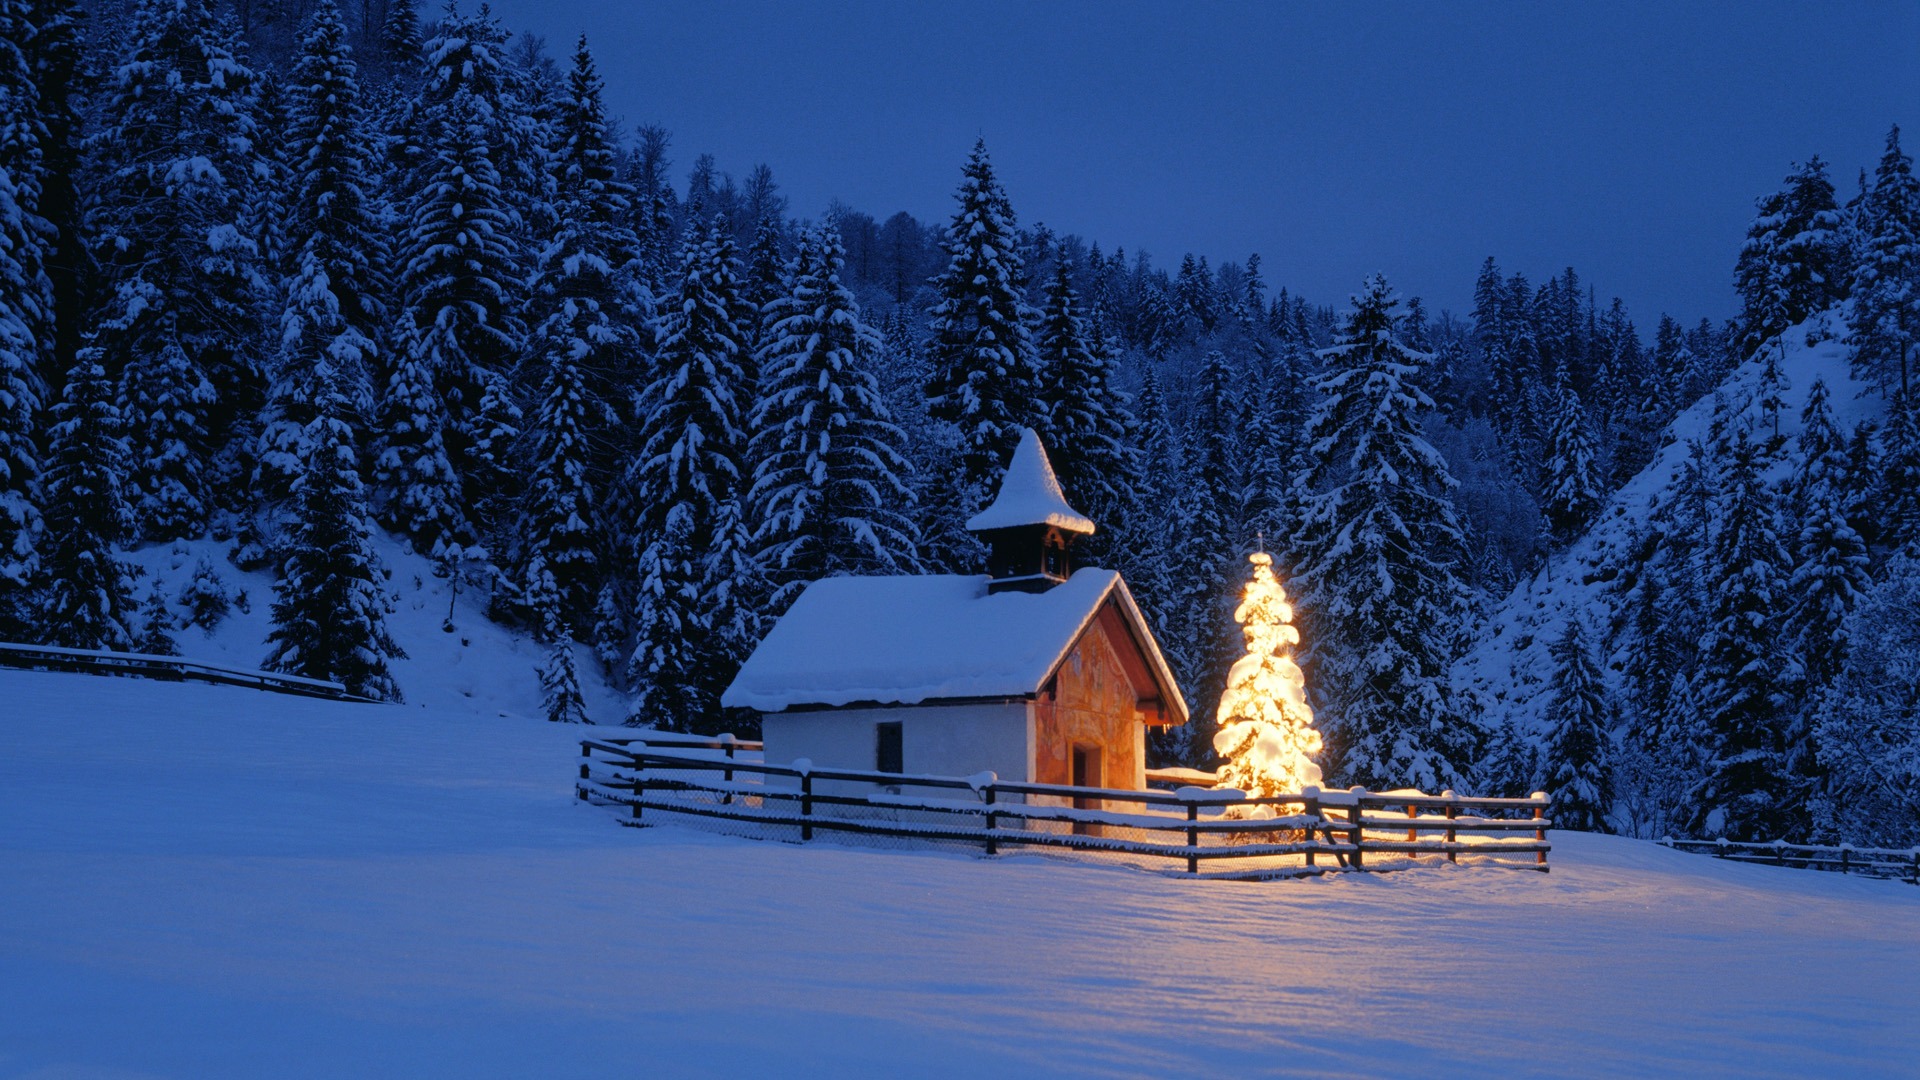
(1030, 494)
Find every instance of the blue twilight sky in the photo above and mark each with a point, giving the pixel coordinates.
(1627, 139)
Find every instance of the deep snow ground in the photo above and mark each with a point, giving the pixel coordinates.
(207, 881)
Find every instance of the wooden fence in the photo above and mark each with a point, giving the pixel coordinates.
(167, 668)
(1845, 859)
(1233, 835)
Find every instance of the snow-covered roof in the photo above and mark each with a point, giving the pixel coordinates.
(905, 640)
(1030, 494)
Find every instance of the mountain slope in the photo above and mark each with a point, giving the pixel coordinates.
(479, 665)
(1508, 669)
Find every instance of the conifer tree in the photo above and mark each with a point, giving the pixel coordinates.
(1865, 729)
(1829, 558)
(827, 486)
(181, 324)
(88, 601)
(1579, 752)
(561, 697)
(20, 391)
(331, 212)
(1885, 317)
(329, 614)
(1571, 492)
(156, 626)
(1265, 731)
(1897, 490)
(1793, 261)
(399, 36)
(1086, 429)
(693, 619)
(1381, 545)
(1211, 531)
(459, 331)
(1738, 690)
(586, 351)
(984, 378)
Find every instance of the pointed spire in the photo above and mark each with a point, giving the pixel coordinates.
(1030, 494)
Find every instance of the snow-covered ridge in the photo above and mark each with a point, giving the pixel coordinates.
(478, 666)
(1508, 668)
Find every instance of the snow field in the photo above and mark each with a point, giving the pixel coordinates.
(208, 881)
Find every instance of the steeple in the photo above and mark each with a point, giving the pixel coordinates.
(1029, 526)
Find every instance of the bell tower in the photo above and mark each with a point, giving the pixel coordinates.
(1029, 529)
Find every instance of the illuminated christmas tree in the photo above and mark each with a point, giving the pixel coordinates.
(1266, 729)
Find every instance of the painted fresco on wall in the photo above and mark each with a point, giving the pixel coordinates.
(1093, 705)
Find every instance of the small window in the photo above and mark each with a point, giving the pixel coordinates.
(1054, 555)
(887, 752)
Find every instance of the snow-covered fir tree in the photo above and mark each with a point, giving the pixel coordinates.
(1211, 534)
(155, 637)
(980, 349)
(1896, 488)
(1829, 557)
(1793, 261)
(1737, 694)
(1264, 727)
(181, 321)
(586, 350)
(828, 488)
(1867, 722)
(692, 617)
(1571, 490)
(20, 392)
(456, 282)
(332, 213)
(329, 610)
(1381, 546)
(1885, 317)
(206, 596)
(87, 598)
(1579, 758)
(560, 694)
(1087, 424)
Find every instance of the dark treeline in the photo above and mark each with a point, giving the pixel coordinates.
(277, 272)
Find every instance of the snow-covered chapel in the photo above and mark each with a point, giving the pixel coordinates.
(1037, 671)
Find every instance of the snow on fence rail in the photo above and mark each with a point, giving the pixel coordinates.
(168, 668)
(1845, 858)
(720, 780)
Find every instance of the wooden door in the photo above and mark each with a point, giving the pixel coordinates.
(1086, 773)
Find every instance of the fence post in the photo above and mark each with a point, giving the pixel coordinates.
(1539, 833)
(1916, 866)
(586, 771)
(1412, 833)
(1353, 833)
(806, 805)
(639, 784)
(1453, 813)
(993, 819)
(1193, 837)
(727, 739)
(1845, 854)
(1310, 807)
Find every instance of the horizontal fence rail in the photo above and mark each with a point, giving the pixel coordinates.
(1901, 865)
(165, 668)
(721, 780)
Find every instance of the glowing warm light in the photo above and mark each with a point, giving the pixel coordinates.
(1266, 729)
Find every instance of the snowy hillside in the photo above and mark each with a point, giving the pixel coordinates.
(1509, 668)
(478, 666)
(209, 882)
